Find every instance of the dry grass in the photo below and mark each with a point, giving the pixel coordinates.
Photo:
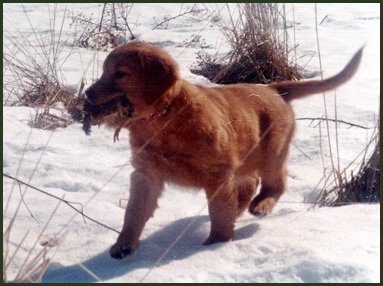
(33, 77)
(108, 30)
(34, 86)
(357, 185)
(259, 48)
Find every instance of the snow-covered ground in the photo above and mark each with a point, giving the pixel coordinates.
(294, 244)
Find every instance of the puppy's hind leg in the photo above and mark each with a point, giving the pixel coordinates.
(144, 192)
(273, 172)
(273, 186)
(245, 189)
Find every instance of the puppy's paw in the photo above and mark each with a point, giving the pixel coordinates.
(119, 251)
(216, 239)
(263, 207)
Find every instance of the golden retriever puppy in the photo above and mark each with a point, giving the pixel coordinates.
(224, 139)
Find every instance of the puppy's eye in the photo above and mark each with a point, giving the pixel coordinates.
(119, 74)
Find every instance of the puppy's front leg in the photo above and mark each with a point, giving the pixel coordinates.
(144, 192)
(223, 205)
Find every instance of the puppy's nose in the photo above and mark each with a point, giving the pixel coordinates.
(90, 94)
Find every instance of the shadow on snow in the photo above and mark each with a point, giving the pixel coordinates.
(146, 256)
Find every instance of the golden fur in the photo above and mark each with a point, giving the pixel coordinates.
(224, 139)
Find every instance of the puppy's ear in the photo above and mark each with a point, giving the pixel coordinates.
(159, 74)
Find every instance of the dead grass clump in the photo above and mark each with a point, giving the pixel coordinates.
(43, 97)
(40, 90)
(44, 92)
(365, 186)
(361, 186)
(259, 48)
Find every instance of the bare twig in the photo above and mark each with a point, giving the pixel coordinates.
(325, 17)
(68, 203)
(332, 120)
(25, 204)
(102, 17)
(124, 16)
(167, 20)
(324, 95)
(25, 265)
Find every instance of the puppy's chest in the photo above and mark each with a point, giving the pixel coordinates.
(180, 166)
(174, 152)
(182, 158)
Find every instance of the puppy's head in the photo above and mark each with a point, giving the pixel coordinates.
(136, 77)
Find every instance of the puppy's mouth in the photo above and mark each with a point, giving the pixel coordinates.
(119, 108)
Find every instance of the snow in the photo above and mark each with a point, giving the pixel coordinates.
(296, 243)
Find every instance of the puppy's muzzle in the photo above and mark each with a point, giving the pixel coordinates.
(90, 94)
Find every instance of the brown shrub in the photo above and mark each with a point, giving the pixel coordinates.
(259, 50)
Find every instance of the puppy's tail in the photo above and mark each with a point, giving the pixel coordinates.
(290, 90)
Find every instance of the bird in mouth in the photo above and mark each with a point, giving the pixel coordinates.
(118, 107)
